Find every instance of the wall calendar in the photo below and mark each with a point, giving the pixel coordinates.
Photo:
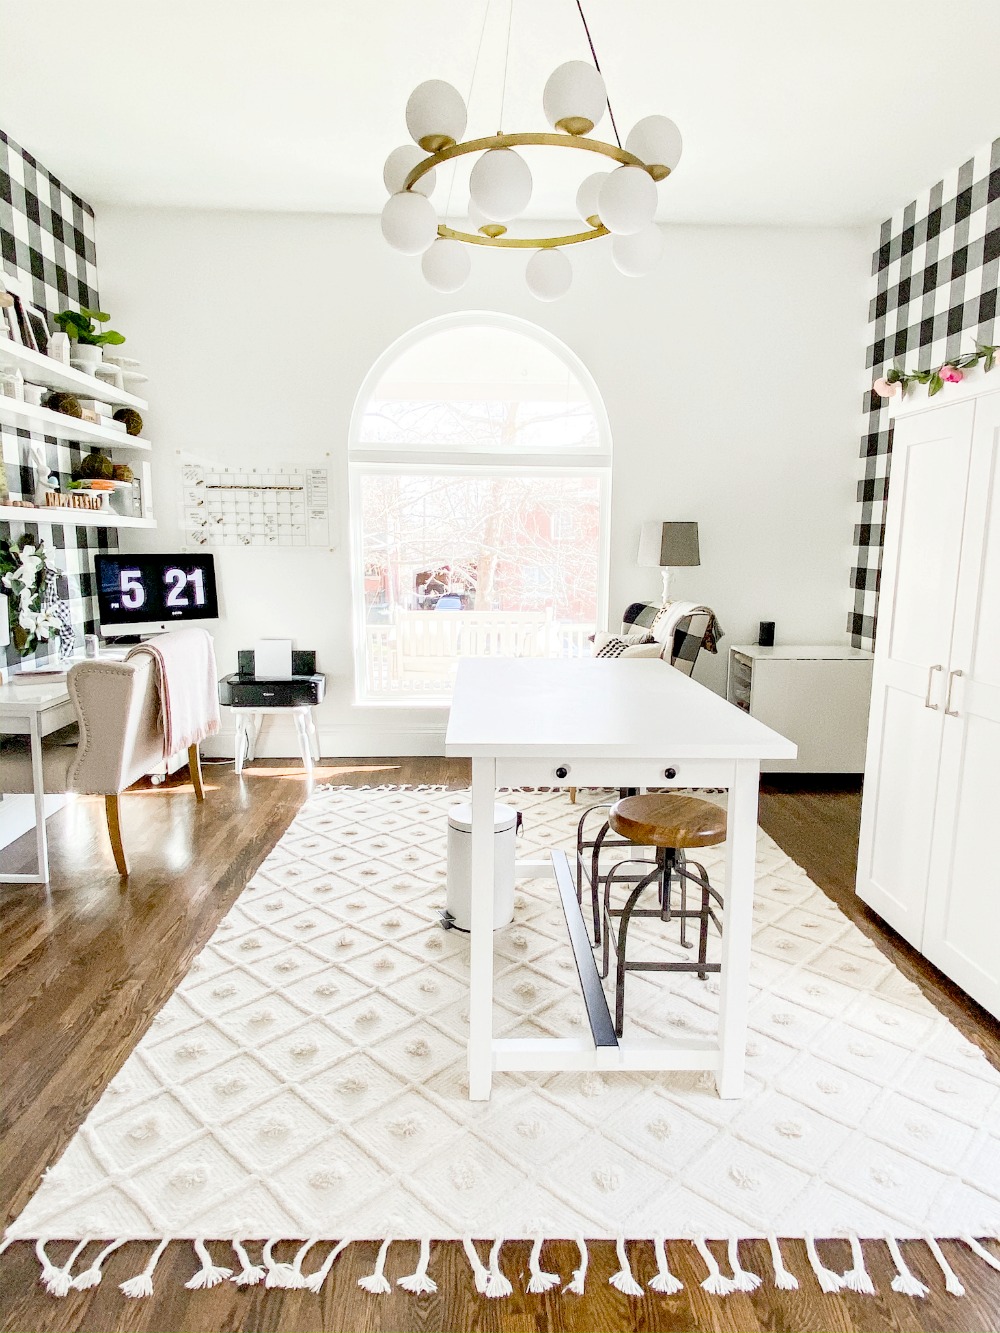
(254, 507)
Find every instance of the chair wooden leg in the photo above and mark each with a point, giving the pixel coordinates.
(111, 806)
(572, 796)
(194, 764)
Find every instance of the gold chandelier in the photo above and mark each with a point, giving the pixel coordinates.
(619, 203)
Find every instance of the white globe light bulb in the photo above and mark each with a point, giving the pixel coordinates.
(656, 140)
(548, 274)
(398, 166)
(435, 115)
(574, 98)
(446, 265)
(638, 254)
(500, 184)
(626, 201)
(409, 222)
(586, 197)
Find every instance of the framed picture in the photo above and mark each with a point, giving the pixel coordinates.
(39, 326)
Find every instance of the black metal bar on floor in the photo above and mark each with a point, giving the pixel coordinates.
(601, 1026)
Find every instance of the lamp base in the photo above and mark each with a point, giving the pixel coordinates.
(665, 572)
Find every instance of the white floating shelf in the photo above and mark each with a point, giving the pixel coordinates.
(43, 421)
(74, 518)
(39, 369)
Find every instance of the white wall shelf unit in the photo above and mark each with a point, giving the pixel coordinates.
(75, 518)
(43, 421)
(816, 695)
(39, 369)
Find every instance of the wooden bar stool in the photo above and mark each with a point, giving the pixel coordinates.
(672, 824)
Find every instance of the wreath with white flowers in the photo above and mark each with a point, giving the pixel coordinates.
(24, 572)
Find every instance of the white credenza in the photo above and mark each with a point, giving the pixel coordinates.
(927, 861)
(816, 695)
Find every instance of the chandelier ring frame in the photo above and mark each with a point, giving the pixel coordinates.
(529, 138)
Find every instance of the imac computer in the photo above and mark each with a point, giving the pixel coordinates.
(147, 594)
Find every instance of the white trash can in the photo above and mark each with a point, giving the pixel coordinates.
(460, 864)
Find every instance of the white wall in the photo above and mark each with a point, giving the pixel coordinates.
(730, 378)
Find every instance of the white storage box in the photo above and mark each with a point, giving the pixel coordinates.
(505, 821)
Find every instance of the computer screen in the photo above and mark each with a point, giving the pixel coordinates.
(139, 594)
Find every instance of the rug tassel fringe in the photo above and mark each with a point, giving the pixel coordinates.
(716, 1284)
(209, 1274)
(743, 1279)
(315, 1280)
(664, 1280)
(783, 1279)
(91, 1276)
(479, 1273)
(496, 1284)
(982, 1251)
(376, 1282)
(579, 1279)
(280, 1275)
(904, 1282)
(856, 1278)
(418, 1281)
(250, 1274)
(57, 1281)
(142, 1284)
(828, 1280)
(539, 1280)
(951, 1283)
(623, 1279)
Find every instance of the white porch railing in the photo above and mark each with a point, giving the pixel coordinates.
(418, 654)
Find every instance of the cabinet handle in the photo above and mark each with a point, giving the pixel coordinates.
(949, 711)
(930, 682)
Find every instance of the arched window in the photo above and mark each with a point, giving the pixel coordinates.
(480, 468)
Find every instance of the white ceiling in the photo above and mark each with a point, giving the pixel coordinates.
(792, 111)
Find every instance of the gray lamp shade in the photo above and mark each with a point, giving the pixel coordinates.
(666, 545)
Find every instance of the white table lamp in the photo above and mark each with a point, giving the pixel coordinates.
(666, 545)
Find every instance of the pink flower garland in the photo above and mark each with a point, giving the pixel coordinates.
(896, 381)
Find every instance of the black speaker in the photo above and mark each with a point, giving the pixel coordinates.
(765, 635)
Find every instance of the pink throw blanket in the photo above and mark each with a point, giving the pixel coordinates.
(188, 683)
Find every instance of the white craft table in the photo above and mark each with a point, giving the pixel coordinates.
(35, 711)
(606, 723)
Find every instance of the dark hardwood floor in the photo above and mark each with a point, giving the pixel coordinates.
(85, 966)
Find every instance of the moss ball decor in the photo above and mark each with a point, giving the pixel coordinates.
(66, 403)
(132, 419)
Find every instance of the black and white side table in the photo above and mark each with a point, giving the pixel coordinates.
(252, 699)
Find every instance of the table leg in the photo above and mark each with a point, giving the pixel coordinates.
(38, 786)
(313, 735)
(242, 742)
(737, 926)
(256, 721)
(305, 747)
(484, 778)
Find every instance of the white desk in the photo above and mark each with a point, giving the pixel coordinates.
(607, 723)
(35, 711)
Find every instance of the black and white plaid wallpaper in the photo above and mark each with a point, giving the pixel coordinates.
(47, 240)
(935, 278)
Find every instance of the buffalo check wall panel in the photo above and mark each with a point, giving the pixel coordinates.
(934, 295)
(47, 241)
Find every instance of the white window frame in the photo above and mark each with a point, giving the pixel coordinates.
(367, 459)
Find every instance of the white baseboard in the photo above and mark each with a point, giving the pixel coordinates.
(278, 740)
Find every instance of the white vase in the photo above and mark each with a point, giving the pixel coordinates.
(86, 357)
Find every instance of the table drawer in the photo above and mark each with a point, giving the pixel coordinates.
(516, 772)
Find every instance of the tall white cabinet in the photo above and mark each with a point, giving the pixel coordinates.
(929, 859)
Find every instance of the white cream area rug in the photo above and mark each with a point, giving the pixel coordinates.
(307, 1082)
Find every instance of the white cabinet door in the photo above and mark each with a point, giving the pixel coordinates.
(924, 521)
(962, 924)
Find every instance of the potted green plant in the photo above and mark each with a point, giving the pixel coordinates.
(87, 338)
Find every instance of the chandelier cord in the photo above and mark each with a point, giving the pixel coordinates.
(506, 61)
(468, 101)
(597, 66)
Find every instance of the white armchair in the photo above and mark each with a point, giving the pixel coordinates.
(120, 740)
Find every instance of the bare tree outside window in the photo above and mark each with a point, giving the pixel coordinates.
(496, 550)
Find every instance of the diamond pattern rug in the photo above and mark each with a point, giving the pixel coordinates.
(307, 1079)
